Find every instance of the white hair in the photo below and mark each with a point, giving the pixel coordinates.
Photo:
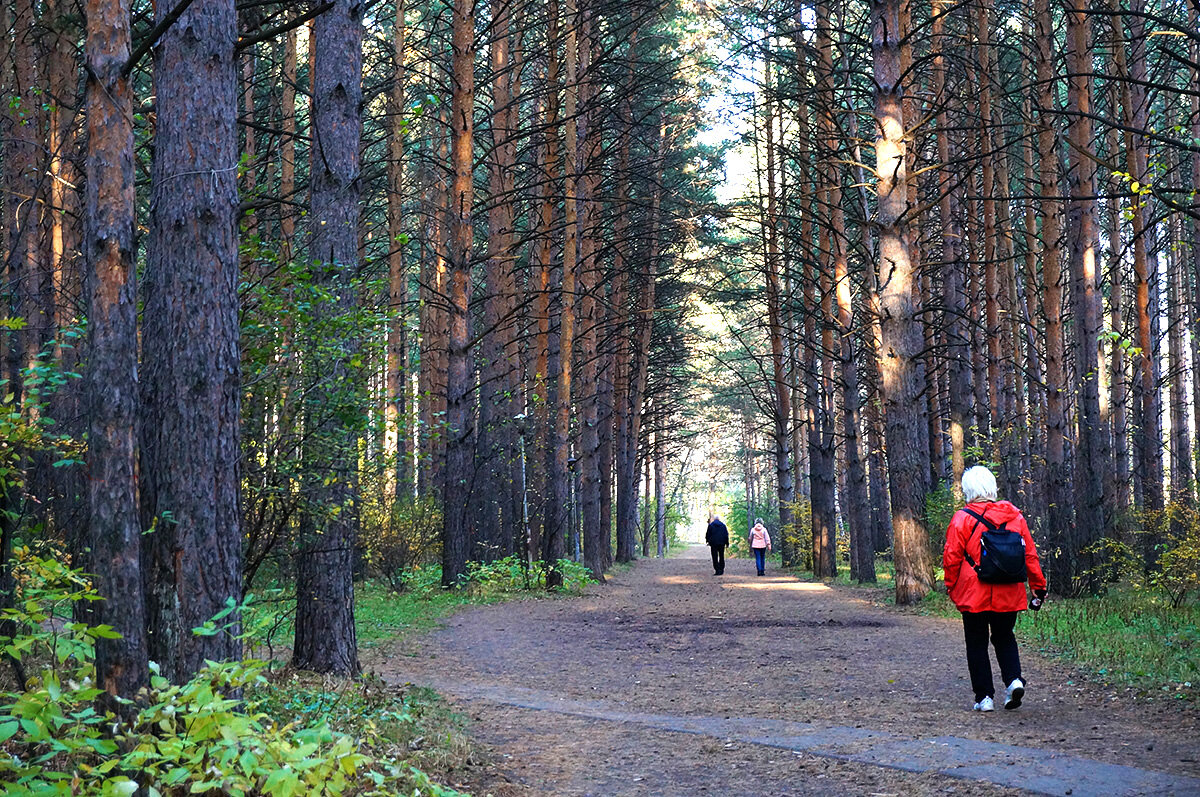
(978, 484)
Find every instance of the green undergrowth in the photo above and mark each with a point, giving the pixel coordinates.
(1126, 637)
(387, 610)
(235, 728)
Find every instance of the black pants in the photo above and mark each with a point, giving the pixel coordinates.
(975, 628)
(718, 555)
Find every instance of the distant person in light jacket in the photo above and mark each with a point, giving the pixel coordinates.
(988, 606)
(717, 538)
(760, 543)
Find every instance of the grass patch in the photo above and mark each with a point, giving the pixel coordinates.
(383, 616)
(1126, 637)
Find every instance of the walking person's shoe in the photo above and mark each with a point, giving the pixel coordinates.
(1014, 693)
(987, 704)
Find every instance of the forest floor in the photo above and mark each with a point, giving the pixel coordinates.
(668, 680)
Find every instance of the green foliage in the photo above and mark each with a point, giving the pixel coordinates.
(1129, 636)
(940, 506)
(26, 428)
(1174, 534)
(192, 738)
(401, 536)
(383, 615)
(511, 575)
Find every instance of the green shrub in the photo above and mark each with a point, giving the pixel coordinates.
(512, 575)
(401, 536)
(940, 506)
(193, 738)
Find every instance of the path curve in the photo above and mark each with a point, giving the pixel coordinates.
(668, 680)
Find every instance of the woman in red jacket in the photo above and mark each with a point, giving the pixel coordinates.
(987, 606)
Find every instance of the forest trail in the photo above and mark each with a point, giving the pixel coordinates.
(668, 680)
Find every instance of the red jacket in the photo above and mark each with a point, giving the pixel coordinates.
(963, 585)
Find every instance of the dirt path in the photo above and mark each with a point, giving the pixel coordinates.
(670, 681)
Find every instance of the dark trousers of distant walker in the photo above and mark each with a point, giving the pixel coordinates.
(975, 628)
(718, 555)
(760, 560)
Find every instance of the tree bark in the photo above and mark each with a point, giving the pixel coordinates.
(456, 539)
(1129, 55)
(190, 364)
(902, 338)
(396, 415)
(1093, 449)
(326, 639)
(1058, 495)
(781, 393)
(114, 535)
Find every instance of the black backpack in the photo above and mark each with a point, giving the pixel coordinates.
(1002, 553)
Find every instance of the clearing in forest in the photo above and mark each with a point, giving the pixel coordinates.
(668, 680)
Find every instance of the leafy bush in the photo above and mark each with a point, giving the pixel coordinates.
(512, 574)
(194, 738)
(400, 537)
(1175, 532)
(940, 506)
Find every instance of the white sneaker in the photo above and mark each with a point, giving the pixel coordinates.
(987, 704)
(1014, 693)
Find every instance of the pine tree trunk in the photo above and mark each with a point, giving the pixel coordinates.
(954, 301)
(781, 408)
(456, 539)
(595, 539)
(396, 428)
(115, 532)
(624, 328)
(287, 150)
(902, 337)
(1129, 55)
(1058, 495)
(326, 639)
(1093, 449)
(190, 365)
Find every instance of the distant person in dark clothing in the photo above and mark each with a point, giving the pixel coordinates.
(717, 538)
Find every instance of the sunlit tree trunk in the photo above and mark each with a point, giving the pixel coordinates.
(902, 338)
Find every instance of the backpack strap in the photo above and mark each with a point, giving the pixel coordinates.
(978, 519)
